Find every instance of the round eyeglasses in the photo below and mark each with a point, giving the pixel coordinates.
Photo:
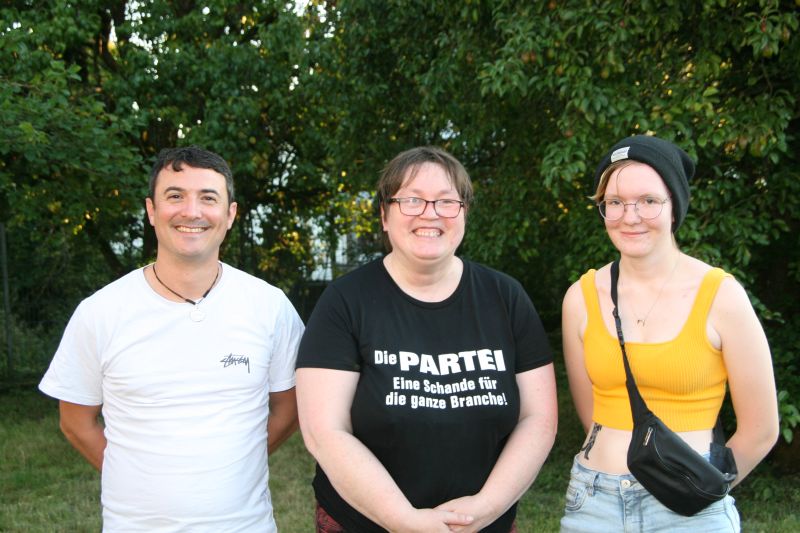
(646, 207)
(412, 206)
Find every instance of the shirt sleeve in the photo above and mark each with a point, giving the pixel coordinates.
(330, 340)
(75, 373)
(287, 333)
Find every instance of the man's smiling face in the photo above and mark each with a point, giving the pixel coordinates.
(190, 213)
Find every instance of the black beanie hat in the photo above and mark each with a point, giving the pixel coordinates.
(674, 166)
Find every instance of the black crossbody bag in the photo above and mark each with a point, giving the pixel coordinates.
(679, 477)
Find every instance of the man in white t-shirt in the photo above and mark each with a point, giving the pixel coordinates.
(191, 363)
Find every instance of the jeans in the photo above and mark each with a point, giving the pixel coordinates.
(602, 503)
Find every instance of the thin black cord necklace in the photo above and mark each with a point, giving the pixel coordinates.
(196, 315)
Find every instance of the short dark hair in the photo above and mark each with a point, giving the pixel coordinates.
(195, 157)
(394, 174)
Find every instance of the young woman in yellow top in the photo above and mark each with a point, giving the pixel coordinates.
(689, 329)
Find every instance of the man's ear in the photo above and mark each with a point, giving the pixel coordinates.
(151, 210)
(232, 213)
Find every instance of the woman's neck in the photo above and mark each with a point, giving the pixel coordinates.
(649, 268)
(429, 283)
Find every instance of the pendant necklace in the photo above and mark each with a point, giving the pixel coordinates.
(643, 321)
(197, 315)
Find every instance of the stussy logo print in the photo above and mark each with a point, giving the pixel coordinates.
(234, 359)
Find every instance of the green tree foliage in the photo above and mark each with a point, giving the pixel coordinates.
(66, 166)
(91, 90)
(309, 100)
(530, 95)
(230, 76)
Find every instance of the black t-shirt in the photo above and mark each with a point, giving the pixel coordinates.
(437, 397)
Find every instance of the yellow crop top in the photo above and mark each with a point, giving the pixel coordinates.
(682, 380)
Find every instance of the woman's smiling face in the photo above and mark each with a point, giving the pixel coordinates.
(633, 235)
(425, 238)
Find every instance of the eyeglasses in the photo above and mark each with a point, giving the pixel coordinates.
(646, 207)
(413, 206)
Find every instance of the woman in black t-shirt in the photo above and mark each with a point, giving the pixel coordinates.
(425, 382)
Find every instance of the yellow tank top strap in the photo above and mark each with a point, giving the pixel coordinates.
(705, 297)
(589, 290)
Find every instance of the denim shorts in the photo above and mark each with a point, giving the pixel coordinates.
(600, 503)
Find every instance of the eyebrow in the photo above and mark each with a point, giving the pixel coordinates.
(181, 189)
(440, 192)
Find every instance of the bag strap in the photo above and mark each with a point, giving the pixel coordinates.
(639, 407)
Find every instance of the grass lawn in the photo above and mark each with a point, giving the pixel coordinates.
(45, 486)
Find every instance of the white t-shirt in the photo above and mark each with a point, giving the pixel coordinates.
(185, 403)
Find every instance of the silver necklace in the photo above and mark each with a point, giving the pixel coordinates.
(643, 321)
(197, 315)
